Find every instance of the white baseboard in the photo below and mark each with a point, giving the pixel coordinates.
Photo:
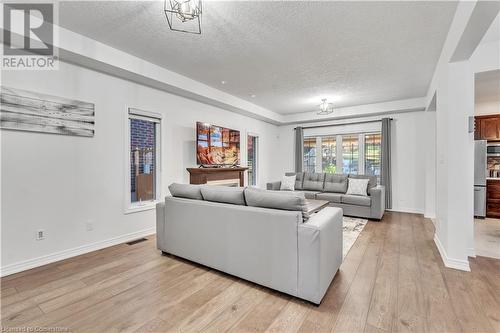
(65, 254)
(406, 210)
(462, 265)
(471, 252)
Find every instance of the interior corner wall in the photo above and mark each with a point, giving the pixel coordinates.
(59, 183)
(408, 155)
(455, 169)
(429, 142)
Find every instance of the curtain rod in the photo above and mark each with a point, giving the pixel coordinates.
(333, 125)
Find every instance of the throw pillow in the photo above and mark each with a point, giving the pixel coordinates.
(358, 186)
(288, 183)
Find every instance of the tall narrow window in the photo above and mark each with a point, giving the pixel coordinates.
(144, 156)
(372, 154)
(328, 154)
(252, 142)
(310, 154)
(350, 153)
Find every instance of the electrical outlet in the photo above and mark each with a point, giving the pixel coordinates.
(89, 226)
(40, 235)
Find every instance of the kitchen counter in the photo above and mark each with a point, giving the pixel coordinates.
(493, 178)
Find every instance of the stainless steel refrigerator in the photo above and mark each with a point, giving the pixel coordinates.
(480, 172)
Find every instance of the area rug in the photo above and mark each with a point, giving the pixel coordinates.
(352, 229)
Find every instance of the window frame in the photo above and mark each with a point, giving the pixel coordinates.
(256, 159)
(339, 152)
(316, 155)
(364, 152)
(157, 118)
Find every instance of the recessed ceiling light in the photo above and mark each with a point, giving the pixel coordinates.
(223, 82)
(253, 95)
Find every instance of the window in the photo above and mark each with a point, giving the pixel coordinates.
(329, 154)
(252, 159)
(344, 153)
(350, 153)
(144, 155)
(310, 154)
(372, 154)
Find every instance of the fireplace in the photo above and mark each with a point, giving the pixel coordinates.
(217, 176)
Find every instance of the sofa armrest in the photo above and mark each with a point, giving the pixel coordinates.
(160, 225)
(320, 253)
(378, 201)
(274, 186)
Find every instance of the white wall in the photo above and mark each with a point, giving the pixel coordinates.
(487, 108)
(58, 183)
(408, 163)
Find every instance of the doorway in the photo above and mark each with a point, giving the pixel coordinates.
(487, 164)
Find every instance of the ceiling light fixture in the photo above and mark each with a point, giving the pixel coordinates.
(325, 107)
(183, 15)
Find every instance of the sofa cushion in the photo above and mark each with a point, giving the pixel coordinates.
(372, 180)
(225, 194)
(187, 191)
(356, 200)
(335, 183)
(332, 197)
(298, 180)
(310, 194)
(313, 181)
(284, 200)
(288, 183)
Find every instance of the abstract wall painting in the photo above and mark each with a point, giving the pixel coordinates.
(29, 111)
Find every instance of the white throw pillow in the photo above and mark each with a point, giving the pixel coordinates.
(358, 186)
(288, 183)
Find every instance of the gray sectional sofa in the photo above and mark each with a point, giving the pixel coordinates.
(258, 235)
(333, 187)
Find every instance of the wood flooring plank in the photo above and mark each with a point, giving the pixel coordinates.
(436, 297)
(6, 292)
(133, 317)
(352, 317)
(263, 314)
(322, 318)
(101, 317)
(232, 313)
(484, 294)
(383, 306)
(174, 315)
(469, 313)
(411, 308)
(291, 317)
(209, 311)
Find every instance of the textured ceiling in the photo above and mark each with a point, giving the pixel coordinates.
(288, 54)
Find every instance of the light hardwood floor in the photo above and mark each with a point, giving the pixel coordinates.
(392, 280)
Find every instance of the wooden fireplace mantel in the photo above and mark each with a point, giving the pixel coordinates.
(204, 175)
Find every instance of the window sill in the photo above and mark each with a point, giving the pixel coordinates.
(135, 208)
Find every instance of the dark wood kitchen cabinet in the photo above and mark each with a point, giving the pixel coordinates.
(493, 198)
(487, 128)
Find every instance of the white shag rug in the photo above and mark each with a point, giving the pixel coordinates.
(352, 228)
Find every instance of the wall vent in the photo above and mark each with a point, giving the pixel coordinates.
(137, 241)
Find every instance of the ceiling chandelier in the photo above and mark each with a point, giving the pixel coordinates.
(183, 15)
(325, 107)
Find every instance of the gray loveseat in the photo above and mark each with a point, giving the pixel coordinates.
(333, 187)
